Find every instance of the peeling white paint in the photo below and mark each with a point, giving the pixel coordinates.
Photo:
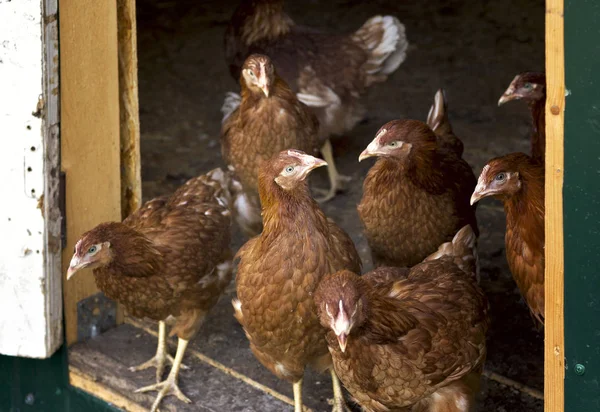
(24, 316)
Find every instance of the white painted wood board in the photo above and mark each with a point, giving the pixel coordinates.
(30, 297)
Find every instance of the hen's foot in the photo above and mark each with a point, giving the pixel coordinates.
(158, 361)
(339, 403)
(338, 184)
(165, 388)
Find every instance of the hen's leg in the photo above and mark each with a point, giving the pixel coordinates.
(298, 396)
(339, 404)
(336, 180)
(158, 361)
(169, 385)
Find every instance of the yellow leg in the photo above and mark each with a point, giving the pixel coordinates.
(339, 404)
(336, 180)
(169, 386)
(298, 396)
(162, 356)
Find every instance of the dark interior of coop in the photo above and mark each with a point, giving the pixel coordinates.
(470, 48)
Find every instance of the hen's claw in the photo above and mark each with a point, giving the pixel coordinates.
(161, 356)
(339, 184)
(164, 388)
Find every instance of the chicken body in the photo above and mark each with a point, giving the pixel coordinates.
(531, 87)
(260, 127)
(169, 259)
(518, 181)
(280, 269)
(330, 72)
(416, 196)
(409, 339)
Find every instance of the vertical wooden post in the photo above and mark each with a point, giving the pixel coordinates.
(90, 143)
(131, 188)
(554, 372)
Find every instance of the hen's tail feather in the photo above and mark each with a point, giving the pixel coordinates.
(463, 248)
(437, 116)
(384, 38)
(230, 104)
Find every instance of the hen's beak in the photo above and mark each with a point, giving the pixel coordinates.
(75, 266)
(311, 162)
(342, 340)
(480, 192)
(507, 97)
(264, 85)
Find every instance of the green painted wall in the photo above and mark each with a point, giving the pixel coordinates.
(582, 206)
(42, 385)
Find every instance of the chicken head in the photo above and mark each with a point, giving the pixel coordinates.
(399, 138)
(500, 178)
(258, 74)
(340, 304)
(292, 167)
(529, 86)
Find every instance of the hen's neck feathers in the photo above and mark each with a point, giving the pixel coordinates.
(279, 89)
(286, 209)
(263, 20)
(133, 254)
(525, 209)
(538, 118)
(421, 166)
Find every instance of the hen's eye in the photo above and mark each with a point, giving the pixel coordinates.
(528, 86)
(393, 144)
(500, 177)
(92, 250)
(289, 169)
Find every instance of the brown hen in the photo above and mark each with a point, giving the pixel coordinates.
(518, 181)
(266, 120)
(171, 258)
(416, 196)
(409, 339)
(531, 87)
(279, 271)
(329, 72)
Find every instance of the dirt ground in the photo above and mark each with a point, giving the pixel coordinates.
(471, 48)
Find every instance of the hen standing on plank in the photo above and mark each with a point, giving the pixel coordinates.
(329, 72)
(169, 259)
(518, 181)
(416, 196)
(531, 87)
(280, 269)
(409, 339)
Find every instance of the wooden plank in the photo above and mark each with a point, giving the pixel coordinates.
(554, 371)
(90, 146)
(91, 384)
(131, 185)
(29, 280)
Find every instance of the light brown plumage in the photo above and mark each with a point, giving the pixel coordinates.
(280, 269)
(269, 119)
(518, 181)
(409, 339)
(416, 196)
(170, 258)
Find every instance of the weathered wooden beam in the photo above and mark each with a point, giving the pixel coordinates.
(90, 131)
(131, 187)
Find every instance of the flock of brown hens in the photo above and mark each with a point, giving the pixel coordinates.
(408, 336)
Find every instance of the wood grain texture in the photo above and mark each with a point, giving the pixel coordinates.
(131, 182)
(90, 154)
(555, 104)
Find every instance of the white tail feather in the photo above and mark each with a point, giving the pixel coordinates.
(437, 111)
(384, 37)
(230, 104)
